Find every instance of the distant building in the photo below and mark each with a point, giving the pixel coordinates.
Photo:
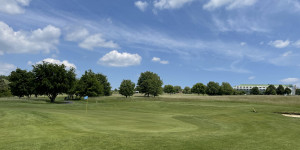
(262, 87)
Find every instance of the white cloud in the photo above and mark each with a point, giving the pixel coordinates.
(44, 39)
(297, 44)
(96, 40)
(141, 5)
(156, 59)
(290, 80)
(88, 41)
(116, 59)
(77, 35)
(13, 6)
(170, 4)
(238, 24)
(54, 61)
(288, 53)
(251, 77)
(243, 43)
(229, 4)
(280, 43)
(6, 69)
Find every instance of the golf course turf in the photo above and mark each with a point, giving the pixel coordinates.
(166, 122)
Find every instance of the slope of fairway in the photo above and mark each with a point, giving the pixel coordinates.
(168, 122)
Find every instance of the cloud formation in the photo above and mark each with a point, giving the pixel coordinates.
(290, 80)
(54, 61)
(116, 59)
(156, 59)
(279, 43)
(13, 6)
(44, 40)
(89, 42)
(170, 4)
(6, 69)
(141, 5)
(229, 4)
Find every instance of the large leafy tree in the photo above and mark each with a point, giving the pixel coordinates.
(89, 85)
(169, 89)
(53, 79)
(271, 90)
(199, 88)
(254, 91)
(127, 88)
(226, 89)
(21, 83)
(280, 90)
(106, 85)
(149, 83)
(213, 88)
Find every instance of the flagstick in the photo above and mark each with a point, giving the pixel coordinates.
(87, 101)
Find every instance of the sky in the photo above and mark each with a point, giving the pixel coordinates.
(183, 41)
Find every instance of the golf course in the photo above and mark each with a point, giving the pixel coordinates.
(175, 121)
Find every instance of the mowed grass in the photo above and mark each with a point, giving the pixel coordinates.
(167, 122)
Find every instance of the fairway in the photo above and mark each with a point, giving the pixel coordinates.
(166, 122)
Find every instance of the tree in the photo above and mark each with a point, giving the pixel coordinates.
(53, 79)
(127, 88)
(212, 88)
(149, 83)
(4, 87)
(177, 89)
(287, 91)
(271, 90)
(254, 91)
(280, 90)
(21, 83)
(187, 90)
(106, 85)
(226, 89)
(169, 89)
(89, 85)
(198, 88)
(297, 91)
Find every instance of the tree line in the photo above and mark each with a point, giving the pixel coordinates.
(53, 79)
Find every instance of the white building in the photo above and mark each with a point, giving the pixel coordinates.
(262, 87)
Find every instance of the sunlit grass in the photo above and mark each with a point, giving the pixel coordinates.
(165, 122)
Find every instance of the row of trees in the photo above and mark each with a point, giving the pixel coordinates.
(271, 90)
(212, 88)
(53, 79)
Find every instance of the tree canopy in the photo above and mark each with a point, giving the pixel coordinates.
(187, 90)
(287, 91)
(177, 89)
(271, 90)
(169, 89)
(254, 91)
(149, 83)
(226, 89)
(198, 88)
(89, 85)
(127, 88)
(21, 83)
(212, 88)
(53, 79)
(280, 90)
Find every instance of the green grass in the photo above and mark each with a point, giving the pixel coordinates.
(167, 122)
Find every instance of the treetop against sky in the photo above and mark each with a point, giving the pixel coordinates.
(183, 41)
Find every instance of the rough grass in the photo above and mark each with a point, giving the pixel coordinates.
(166, 122)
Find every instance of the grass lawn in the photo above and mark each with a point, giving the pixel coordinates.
(167, 122)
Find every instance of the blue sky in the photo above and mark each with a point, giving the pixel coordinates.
(183, 41)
